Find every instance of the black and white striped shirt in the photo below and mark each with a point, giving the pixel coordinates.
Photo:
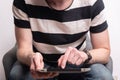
(55, 30)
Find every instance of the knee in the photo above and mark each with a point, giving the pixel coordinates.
(100, 72)
(17, 73)
(104, 76)
(15, 76)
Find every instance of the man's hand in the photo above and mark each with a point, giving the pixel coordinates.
(72, 56)
(38, 64)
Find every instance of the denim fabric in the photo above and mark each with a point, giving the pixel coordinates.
(20, 72)
(97, 72)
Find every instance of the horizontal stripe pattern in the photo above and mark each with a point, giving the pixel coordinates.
(61, 16)
(21, 19)
(50, 26)
(17, 14)
(59, 49)
(56, 39)
(36, 2)
(21, 23)
(96, 8)
(99, 28)
(99, 19)
(53, 31)
(20, 4)
(75, 4)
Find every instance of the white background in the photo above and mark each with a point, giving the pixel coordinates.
(7, 38)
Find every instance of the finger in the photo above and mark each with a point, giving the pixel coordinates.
(45, 75)
(32, 66)
(78, 56)
(34, 75)
(79, 61)
(82, 55)
(60, 60)
(38, 60)
(53, 75)
(39, 75)
(73, 60)
(71, 57)
(65, 57)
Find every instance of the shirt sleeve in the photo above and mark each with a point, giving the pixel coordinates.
(98, 18)
(20, 14)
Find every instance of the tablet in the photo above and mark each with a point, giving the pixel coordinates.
(66, 70)
(70, 68)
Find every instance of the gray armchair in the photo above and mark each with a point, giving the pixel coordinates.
(10, 58)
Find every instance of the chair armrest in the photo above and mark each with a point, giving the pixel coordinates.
(109, 65)
(8, 60)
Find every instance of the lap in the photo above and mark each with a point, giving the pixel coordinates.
(97, 72)
(20, 72)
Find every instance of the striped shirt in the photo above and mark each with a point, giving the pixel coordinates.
(55, 30)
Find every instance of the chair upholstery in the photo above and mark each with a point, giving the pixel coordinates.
(8, 60)
(10, 57)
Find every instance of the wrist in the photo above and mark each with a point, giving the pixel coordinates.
(89, 57)
(30, 56)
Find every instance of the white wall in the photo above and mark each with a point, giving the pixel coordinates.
(113, 15)
(7, 38)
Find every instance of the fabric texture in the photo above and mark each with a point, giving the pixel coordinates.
(54, 30)
(97, 72)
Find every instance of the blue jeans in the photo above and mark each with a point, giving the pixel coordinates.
(97, 72)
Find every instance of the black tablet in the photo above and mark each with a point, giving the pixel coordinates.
(70, 68)
(66, 70)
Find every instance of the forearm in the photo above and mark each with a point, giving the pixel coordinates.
(24, 43)
(100, 55)
(23, 56)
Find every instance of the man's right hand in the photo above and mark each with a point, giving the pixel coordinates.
(38, 64)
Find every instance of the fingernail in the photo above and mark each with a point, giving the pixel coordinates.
(63, 66)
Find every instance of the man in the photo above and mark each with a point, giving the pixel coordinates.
(55, 30)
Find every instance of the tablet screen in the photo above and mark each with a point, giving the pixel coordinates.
(68, 69)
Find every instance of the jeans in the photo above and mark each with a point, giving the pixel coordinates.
(97, 72)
